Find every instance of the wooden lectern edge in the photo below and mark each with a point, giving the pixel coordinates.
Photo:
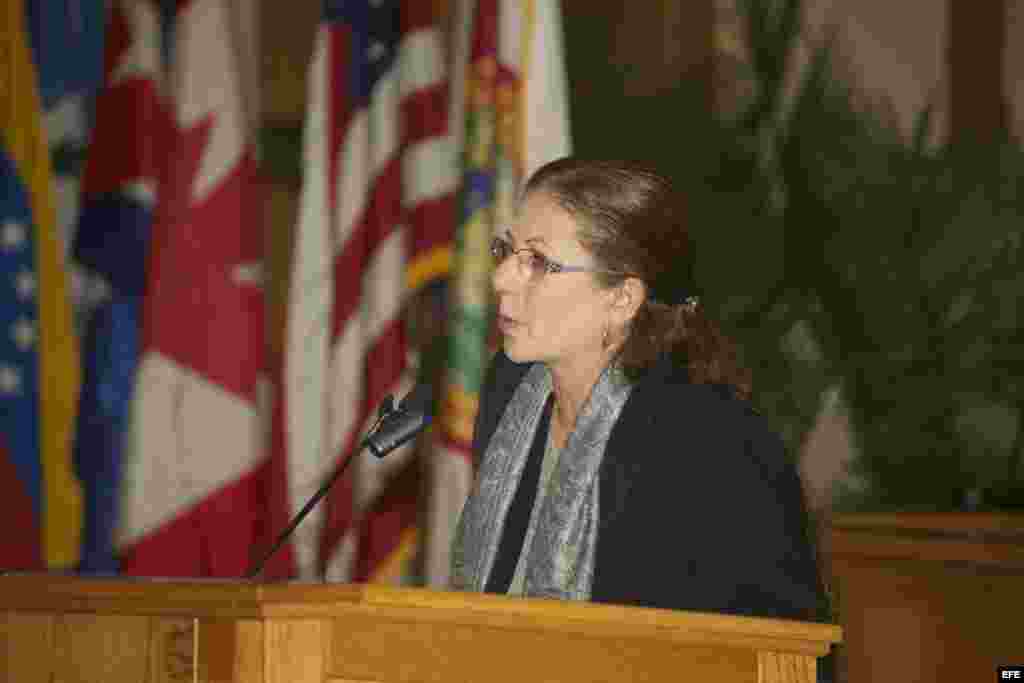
(778, 635)
(595, 612)
(295, 600)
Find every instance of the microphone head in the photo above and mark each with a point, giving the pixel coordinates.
(387, 406)
(420, 400)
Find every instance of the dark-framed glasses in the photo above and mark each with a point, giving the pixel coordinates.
(531, 263)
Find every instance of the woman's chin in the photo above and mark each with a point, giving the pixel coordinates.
(516, 352)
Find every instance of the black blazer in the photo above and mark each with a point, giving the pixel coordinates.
(700, 507)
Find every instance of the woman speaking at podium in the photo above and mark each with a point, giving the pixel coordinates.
(619, 460)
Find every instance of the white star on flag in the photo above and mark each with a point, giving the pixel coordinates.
(25, 285)
(10, 380)
(142, 190)
(24, 334)
(12, 236)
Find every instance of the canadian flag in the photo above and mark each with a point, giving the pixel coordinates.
(194, 499)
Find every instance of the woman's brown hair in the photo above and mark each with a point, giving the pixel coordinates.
(632, 221)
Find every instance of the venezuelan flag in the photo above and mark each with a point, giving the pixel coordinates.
(40, 499)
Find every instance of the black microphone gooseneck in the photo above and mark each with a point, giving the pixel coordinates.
(393, 428)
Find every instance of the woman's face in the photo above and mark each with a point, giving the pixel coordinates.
(557, 318)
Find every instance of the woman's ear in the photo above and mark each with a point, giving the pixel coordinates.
(627, 299)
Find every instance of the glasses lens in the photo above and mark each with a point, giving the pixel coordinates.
(530, 263)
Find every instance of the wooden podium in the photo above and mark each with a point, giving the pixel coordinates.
(60, 629)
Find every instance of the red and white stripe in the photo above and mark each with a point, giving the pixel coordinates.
(370, 174)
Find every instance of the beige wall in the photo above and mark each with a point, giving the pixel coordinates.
(895, 49)
(898, 49)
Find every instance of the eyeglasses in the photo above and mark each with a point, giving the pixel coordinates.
(532, 264)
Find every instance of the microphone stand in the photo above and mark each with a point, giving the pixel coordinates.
(387, 407)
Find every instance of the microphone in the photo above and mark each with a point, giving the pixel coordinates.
(404, 422)
(394, 427)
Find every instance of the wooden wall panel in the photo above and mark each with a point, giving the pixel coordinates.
(928, 597)
(172, 651)
(88, 648)
(537, 657)
(30, 637)
(775, 667)
(295, 651)
(230, 651)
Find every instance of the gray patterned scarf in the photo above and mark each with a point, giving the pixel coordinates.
(560, 556)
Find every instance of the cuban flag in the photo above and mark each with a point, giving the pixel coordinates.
(119, 193)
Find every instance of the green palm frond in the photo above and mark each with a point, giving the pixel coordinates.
(900, 265)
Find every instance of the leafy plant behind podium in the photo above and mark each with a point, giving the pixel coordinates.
(851, 260)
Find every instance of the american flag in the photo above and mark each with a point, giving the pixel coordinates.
(375, 222)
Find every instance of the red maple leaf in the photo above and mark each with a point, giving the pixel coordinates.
(200, 311)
